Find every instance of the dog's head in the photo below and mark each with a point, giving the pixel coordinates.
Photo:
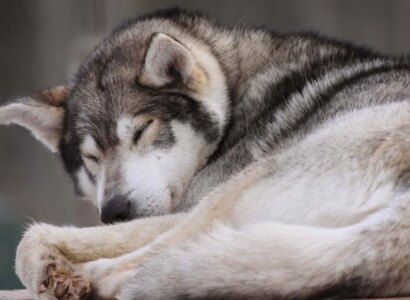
(144, 113)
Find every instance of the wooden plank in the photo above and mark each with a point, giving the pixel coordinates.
(15, 295)
(24, 295)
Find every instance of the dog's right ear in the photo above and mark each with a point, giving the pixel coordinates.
(168, 61)
(41, 113)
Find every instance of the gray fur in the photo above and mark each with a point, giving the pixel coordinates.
(286, 93)
(105, 86)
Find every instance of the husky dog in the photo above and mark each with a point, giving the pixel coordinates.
(233, 163)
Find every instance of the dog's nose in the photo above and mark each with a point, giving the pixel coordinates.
(116, 210)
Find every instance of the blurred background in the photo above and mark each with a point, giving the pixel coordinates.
(42, 43)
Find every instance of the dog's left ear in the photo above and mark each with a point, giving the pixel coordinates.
(169, 62)
(41, 113)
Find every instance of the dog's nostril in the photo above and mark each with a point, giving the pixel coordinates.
(116, 210)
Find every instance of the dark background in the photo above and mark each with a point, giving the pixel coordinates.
(43, 41)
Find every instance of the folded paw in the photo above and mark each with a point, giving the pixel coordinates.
(45, 271)
(63, 283)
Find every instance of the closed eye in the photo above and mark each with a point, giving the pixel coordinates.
(92, 158)
(139, 132)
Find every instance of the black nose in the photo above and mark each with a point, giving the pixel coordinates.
(116, 210)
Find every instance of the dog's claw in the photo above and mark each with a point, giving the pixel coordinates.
(64, 284)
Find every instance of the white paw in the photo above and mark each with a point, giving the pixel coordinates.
(44, 271)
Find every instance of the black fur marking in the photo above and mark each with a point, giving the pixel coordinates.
(352, 50)
(325, 97)
(177, 106)
(90, 175)
(324, 100)
(138, 133)
(165, 138)
(278, 93)
(70, 154)
(403, 179)
(69, 148)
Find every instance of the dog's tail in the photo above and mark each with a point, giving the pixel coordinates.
(277, 261)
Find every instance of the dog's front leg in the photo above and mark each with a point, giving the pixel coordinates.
(44, 269)
(47, 254)
(110, 275)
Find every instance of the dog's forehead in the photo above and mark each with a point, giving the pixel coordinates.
(107, 79)
(119, 57)
(93, 115)
(104, 114)
(97, 112)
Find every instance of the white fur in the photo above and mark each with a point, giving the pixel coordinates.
(87, 187)
(153, 177)
(125, 128)
(296, 221)
(89, 146)
(304, 210)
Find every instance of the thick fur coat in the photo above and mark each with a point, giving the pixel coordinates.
(236, 163)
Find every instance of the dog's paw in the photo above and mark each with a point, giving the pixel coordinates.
(62, 283)
(46, 272)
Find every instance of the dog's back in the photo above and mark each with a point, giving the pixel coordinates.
(286, 86)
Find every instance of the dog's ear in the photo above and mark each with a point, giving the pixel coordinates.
(41, 113)
(168, 62)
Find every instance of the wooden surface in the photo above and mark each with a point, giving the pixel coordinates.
(15, 295)
(24, 295)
